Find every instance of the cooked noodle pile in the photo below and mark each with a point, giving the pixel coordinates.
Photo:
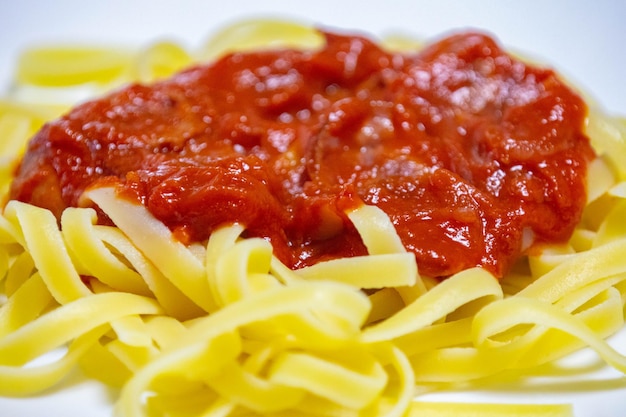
(223, 328)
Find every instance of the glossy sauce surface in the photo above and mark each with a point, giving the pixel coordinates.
(475, 156)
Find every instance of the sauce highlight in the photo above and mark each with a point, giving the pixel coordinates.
(475, 156)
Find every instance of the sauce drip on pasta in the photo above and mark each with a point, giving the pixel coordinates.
(475, 156)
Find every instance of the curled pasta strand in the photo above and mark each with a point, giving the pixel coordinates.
(577, 271)
(155, 240)
(542, 344)
(441, 300)
(90, 252)
(133, 357)
(18, 381)
(45, 244)
(131, 330)
(261, 395)
(376, 229)
(173, 301)
(200, 360)
(492, 320)
(164, 330)
(67, 322)
(304, 330)
(404, 381)
(220, 242)
(328, 299)
(352, 382)
(258, 34)
(160, 60)
(234, 270)
(380, 237)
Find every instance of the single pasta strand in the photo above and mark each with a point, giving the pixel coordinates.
(435, 304)
(21, 270)
(257, 34)
(13, 129)
(17, 381)
(612, 228)
(395, 270)
(160, 60)
(25, 305)
(375, 228)
(447, 409)
(65, 66)
(131, 331)
(67, 322)
(385, 302)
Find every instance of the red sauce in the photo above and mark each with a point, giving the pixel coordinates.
(465, 148)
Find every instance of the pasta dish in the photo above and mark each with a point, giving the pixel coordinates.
(300, 222)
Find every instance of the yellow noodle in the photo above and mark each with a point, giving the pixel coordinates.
(16, 381)
(100, 364)
(249, 35)
(376, 230)
(353, 388)
(493, 320)
(237, 268)
(156, 241)
(63, 66)
(131, 331)
(45, 244)
(25, 305)
(395, 270)
(168, 295)
(161, 60)
(431, 409)
(20, 270)
(446, 297)
(90, 253)
(67, 322)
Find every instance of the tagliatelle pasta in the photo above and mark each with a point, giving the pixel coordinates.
(224, 328)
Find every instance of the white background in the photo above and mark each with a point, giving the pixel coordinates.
(583, 39)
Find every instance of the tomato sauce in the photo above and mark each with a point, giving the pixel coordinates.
(475, 156)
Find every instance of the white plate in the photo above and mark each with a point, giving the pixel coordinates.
(584, 40)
